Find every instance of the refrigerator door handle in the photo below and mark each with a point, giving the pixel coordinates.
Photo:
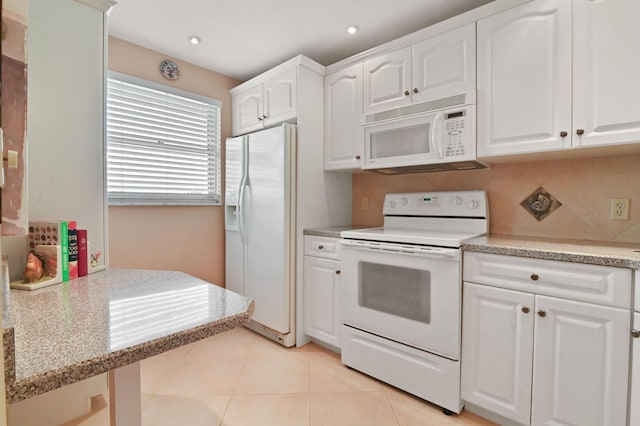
(243, 185)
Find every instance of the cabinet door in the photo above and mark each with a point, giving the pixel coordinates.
(634, 412)
(342, 113)
(280, 98)
(387, 81)
(606, 71)
(581, 364)
(497, 348)
(247, 110)
(445, 64)
(321, 319)
(524, 79)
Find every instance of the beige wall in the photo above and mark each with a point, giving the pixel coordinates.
(189, 239)
(583, 186)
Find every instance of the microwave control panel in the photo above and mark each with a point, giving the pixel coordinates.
(456, 130)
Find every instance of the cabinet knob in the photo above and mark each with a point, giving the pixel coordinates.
(635, 333)
(563, 134)
(534, 277)
(338, 272)
(264, 116)
(580, 132)
(415, 90)
(407, 93)
(320, 247)
(357, 157)
(260, 118)
(525, 309)
(542, 313)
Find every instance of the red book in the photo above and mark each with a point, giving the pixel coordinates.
(83, 253)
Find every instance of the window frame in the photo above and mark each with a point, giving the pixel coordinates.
(166, 199)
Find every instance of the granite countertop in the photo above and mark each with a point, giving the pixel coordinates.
(78, 329)
(577, 251)
(332, 231)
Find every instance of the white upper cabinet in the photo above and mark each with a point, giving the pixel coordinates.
(524, 79)
(342, 112)
(606, 72)
(387, 81)
(431, 69)
(445, 64)
(265, 104)
(557, 74)
(247, 110)
(280, 98)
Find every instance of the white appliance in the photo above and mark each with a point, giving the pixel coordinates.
(634, 412)
(260, 227)
(434, 136)
(401, 293)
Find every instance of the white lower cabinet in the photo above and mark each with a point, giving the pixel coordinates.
(536, 359)
(321, 277)
(497, 350)
(634, 412)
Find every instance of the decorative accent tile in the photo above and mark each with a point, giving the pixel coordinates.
(540, 204)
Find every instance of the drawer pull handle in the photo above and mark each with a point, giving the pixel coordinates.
(338, 272)
(534, 277)
(320, 247)
(525, 309)
(542, 314)
(635, 333)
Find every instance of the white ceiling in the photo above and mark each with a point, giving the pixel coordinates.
(242, 38)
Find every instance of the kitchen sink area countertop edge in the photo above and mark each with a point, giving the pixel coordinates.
(78, 329)
(621, 255)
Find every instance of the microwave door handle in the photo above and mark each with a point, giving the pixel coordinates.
(436, 145)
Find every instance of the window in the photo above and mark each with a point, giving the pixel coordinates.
(163, 144)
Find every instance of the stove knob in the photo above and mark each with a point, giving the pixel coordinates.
(392, 204)
(475, 204)
(457, 201)
(404, 201)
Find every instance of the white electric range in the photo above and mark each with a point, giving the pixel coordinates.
(401, 295)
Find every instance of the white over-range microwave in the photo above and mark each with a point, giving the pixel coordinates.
(438, 135)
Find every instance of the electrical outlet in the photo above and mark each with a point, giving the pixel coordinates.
(619, 209)
(365, 203)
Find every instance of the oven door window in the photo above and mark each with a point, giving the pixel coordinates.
(398, 291)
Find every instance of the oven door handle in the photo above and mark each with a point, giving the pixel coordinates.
(432, 252)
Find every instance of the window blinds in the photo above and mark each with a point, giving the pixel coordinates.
(162, 145)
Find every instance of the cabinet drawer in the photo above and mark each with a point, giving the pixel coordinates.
(326, 247)
(588, 283)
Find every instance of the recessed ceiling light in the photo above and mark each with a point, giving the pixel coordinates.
(194, 39)
(352, 29)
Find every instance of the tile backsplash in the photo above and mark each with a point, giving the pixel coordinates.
(584, 187)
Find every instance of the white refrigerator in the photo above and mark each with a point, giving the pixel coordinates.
(260, 188)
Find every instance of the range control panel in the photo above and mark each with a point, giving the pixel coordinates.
(437, 204)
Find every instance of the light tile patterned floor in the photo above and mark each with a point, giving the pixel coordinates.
(239, 378)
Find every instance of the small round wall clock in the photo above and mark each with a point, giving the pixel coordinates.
(169, 69)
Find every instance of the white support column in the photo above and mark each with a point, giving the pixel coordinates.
(125, 400)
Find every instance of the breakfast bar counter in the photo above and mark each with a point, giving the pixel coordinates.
(72, 331)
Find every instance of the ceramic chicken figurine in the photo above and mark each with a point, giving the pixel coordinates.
(33, 270)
